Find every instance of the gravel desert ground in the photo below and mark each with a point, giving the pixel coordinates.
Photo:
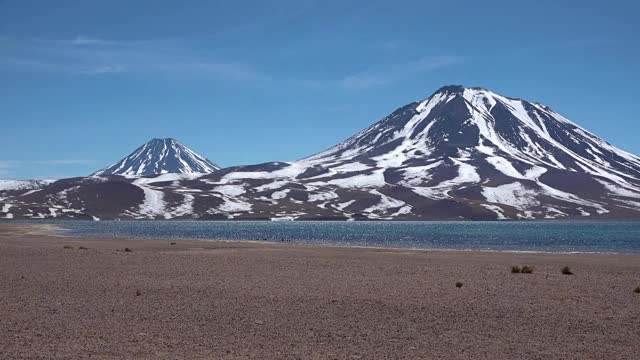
(71, 298)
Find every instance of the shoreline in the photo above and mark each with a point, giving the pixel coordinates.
(559, 220)
(79, 297)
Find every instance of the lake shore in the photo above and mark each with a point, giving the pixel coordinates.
(238, 300)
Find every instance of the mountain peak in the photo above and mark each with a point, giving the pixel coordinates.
(163, 141)
(160, 156)
(459, 89)
(476, 123)
(451, 89)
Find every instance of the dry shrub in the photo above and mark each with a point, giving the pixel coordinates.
(566, 270)
(527, 269)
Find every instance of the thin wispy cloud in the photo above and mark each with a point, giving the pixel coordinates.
(90, 56)
(5, 167)
(280, 12)
(398, 72)
(106, 69)
(231, 71)
(384, 75)
(93, 56)
(85, 40)
(64, 162)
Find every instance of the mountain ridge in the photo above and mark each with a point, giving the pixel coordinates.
(460, 154)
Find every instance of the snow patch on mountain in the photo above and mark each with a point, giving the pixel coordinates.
(230, 190)
(153, 204)
(374, 179)
(513, 194)
(232, 205)
(23, 184)
(497, 210)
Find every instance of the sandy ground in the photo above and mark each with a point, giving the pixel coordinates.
(239, 300)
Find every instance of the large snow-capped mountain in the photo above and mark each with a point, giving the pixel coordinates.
(160, 156)
(462, 153)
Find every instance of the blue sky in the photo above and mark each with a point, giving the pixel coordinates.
(83, 83)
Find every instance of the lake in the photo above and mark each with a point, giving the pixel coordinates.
(492, 236)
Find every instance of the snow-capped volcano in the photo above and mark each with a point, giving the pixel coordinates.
(160, 156)
(462, 153)
(474, 145)
(457, 122)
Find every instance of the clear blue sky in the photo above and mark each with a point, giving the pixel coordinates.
(83, 83)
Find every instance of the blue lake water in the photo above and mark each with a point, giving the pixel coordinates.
(515, 236)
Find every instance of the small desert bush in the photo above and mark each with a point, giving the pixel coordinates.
(173, 243)
(83, 248)
(138, 293)
(127, 250)
(566, 270)
(68, 247)
(527, 269)
(458, 284)
(637, 290)
(515, 269)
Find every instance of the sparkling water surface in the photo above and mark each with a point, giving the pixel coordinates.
(583, 236)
